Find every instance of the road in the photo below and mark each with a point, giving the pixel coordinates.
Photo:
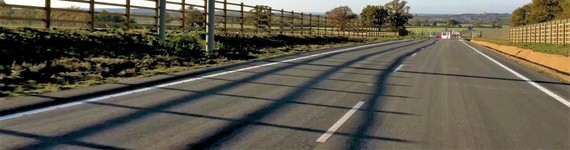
(418, 94)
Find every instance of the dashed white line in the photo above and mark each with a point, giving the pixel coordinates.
(339, 123)
(536, 85)
(414, 54)
(399, 67)
(7, 117)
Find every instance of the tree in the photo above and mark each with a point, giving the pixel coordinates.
(260, 16)
(544, 10)
(193, 17)
(425, 22)
(416, 22)
(4, 11)
(520, 16)
(565, 14)
(105, 16)
(341, 16)
(399, 15)
(374, 16)
(452, 22)
(434, 24)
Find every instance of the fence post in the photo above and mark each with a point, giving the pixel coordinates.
(282, 22)
(564, 40)
(226, 16)
(292, 22)
(48, 13)
(205, 16)
(319, 25)
(270, 21)
(310, 24)
(183, 19)
(302, 23)
(257, 19)
(92, 13)
(128, 13)
(326, 26)
(242, 18)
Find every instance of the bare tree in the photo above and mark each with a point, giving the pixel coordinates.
(341, 16)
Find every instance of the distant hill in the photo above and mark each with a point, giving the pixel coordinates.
(485, 18)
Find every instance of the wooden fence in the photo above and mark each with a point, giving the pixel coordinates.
(183, 15)
(554, 32)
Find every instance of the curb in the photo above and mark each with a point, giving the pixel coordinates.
(23, 104)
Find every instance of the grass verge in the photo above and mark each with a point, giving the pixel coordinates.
(563, 50)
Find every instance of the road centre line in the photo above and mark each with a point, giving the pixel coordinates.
(99, 98)
(399, 67)
(339, 123)
(536, 85)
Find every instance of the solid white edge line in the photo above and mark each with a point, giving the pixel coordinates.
(399, 67)
(7, 117)
(339, 123)
(536, 85)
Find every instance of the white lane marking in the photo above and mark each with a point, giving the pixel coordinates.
(414, 54)
(399, 67)
(2, 118)
(536, 85)
(339, 123)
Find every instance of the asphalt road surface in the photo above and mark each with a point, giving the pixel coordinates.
(418, 94)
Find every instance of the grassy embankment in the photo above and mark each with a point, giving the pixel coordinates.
(544, 48)
(38, 61)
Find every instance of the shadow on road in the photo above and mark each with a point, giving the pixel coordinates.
(375, 101)
(233, 128)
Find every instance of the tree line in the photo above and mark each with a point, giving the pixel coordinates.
(393, 15)
(541, 11)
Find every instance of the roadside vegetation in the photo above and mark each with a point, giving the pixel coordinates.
(543, 48)
(541, 11)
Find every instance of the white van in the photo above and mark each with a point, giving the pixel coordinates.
(446, 35)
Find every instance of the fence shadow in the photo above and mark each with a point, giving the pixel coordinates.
(231, 129)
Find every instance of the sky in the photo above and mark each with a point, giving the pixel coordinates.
(417, 6)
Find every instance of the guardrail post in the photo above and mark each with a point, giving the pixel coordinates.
(48, 13)
(162, 19)
(211, 7)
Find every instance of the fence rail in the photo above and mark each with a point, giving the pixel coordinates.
(183, 15)
(554, 32)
